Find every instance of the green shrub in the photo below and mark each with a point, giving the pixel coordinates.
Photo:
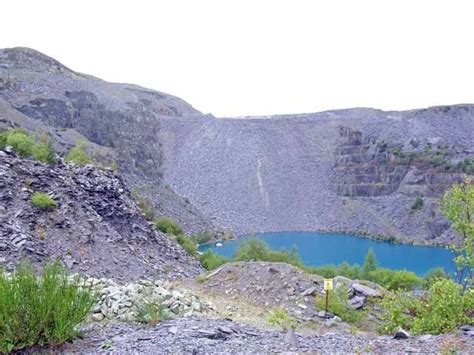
(39, 311)
(442, 310)
(280, 317)
(398, 311)
(78, 155)
(43, 201)
(417, 204)
(211, 261)
(257, 250)
(188, 244)
(168, 226)
(20, 141)
(395, 279)
(370, 262)
(433, 276)
(25, 145)
(44, 152)
(338, 305)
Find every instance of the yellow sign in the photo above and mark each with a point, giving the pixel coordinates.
(328, 284)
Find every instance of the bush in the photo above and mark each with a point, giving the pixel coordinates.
(21, 141)
(40, 311)
(280, 317)
(211, 261)
(257, 250)
(395, 279)
(338, 305)
(25, 145)
(43, 201)
(441, 311)
(433, 276)
(370, 262)
(78, 155)
(44, 152)
(417, 204)
(187, 244)
(168, 226)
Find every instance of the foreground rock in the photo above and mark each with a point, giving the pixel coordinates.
(96, 228)
(195, 335)
(131, 302)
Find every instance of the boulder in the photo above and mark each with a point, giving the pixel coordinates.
(401, 334)
(311, 291)
(365, 291)
(356, 302)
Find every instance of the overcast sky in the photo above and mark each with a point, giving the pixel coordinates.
(256, 57)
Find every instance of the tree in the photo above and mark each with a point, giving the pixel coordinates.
(370, 262)
(458, 207)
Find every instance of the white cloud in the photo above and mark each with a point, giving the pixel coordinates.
(261, 57)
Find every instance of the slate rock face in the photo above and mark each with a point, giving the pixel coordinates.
(95, 229)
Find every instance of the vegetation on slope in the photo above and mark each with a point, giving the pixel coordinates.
(28, 146)
(78, 155)
(43, 201)
(442, 309)
(40, 310)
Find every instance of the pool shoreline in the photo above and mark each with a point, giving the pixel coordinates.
(329, 248)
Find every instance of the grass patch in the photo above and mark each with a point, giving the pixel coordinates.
(40, 310)
(168, 226)
(43, 201)
(280, 317)
(78, 155)
(188, 244)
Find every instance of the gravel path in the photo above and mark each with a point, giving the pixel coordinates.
(200, 336)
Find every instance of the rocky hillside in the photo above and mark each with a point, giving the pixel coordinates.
(357, 170)
(95, 228)
(349, 170)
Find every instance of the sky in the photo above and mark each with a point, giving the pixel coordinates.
(261, 57)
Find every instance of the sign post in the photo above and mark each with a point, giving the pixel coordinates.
(327, 288)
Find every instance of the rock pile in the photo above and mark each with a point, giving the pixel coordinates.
(270, 285)
(128, 302)
(96, 228)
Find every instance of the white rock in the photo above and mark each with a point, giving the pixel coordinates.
(98, 317)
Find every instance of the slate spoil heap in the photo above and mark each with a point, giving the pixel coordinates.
(96, 228)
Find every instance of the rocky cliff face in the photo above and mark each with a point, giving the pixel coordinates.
(95, 229)
(348, 170)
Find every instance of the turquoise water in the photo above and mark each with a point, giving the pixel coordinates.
(330, 248)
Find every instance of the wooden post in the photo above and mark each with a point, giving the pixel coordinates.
(327, 301)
